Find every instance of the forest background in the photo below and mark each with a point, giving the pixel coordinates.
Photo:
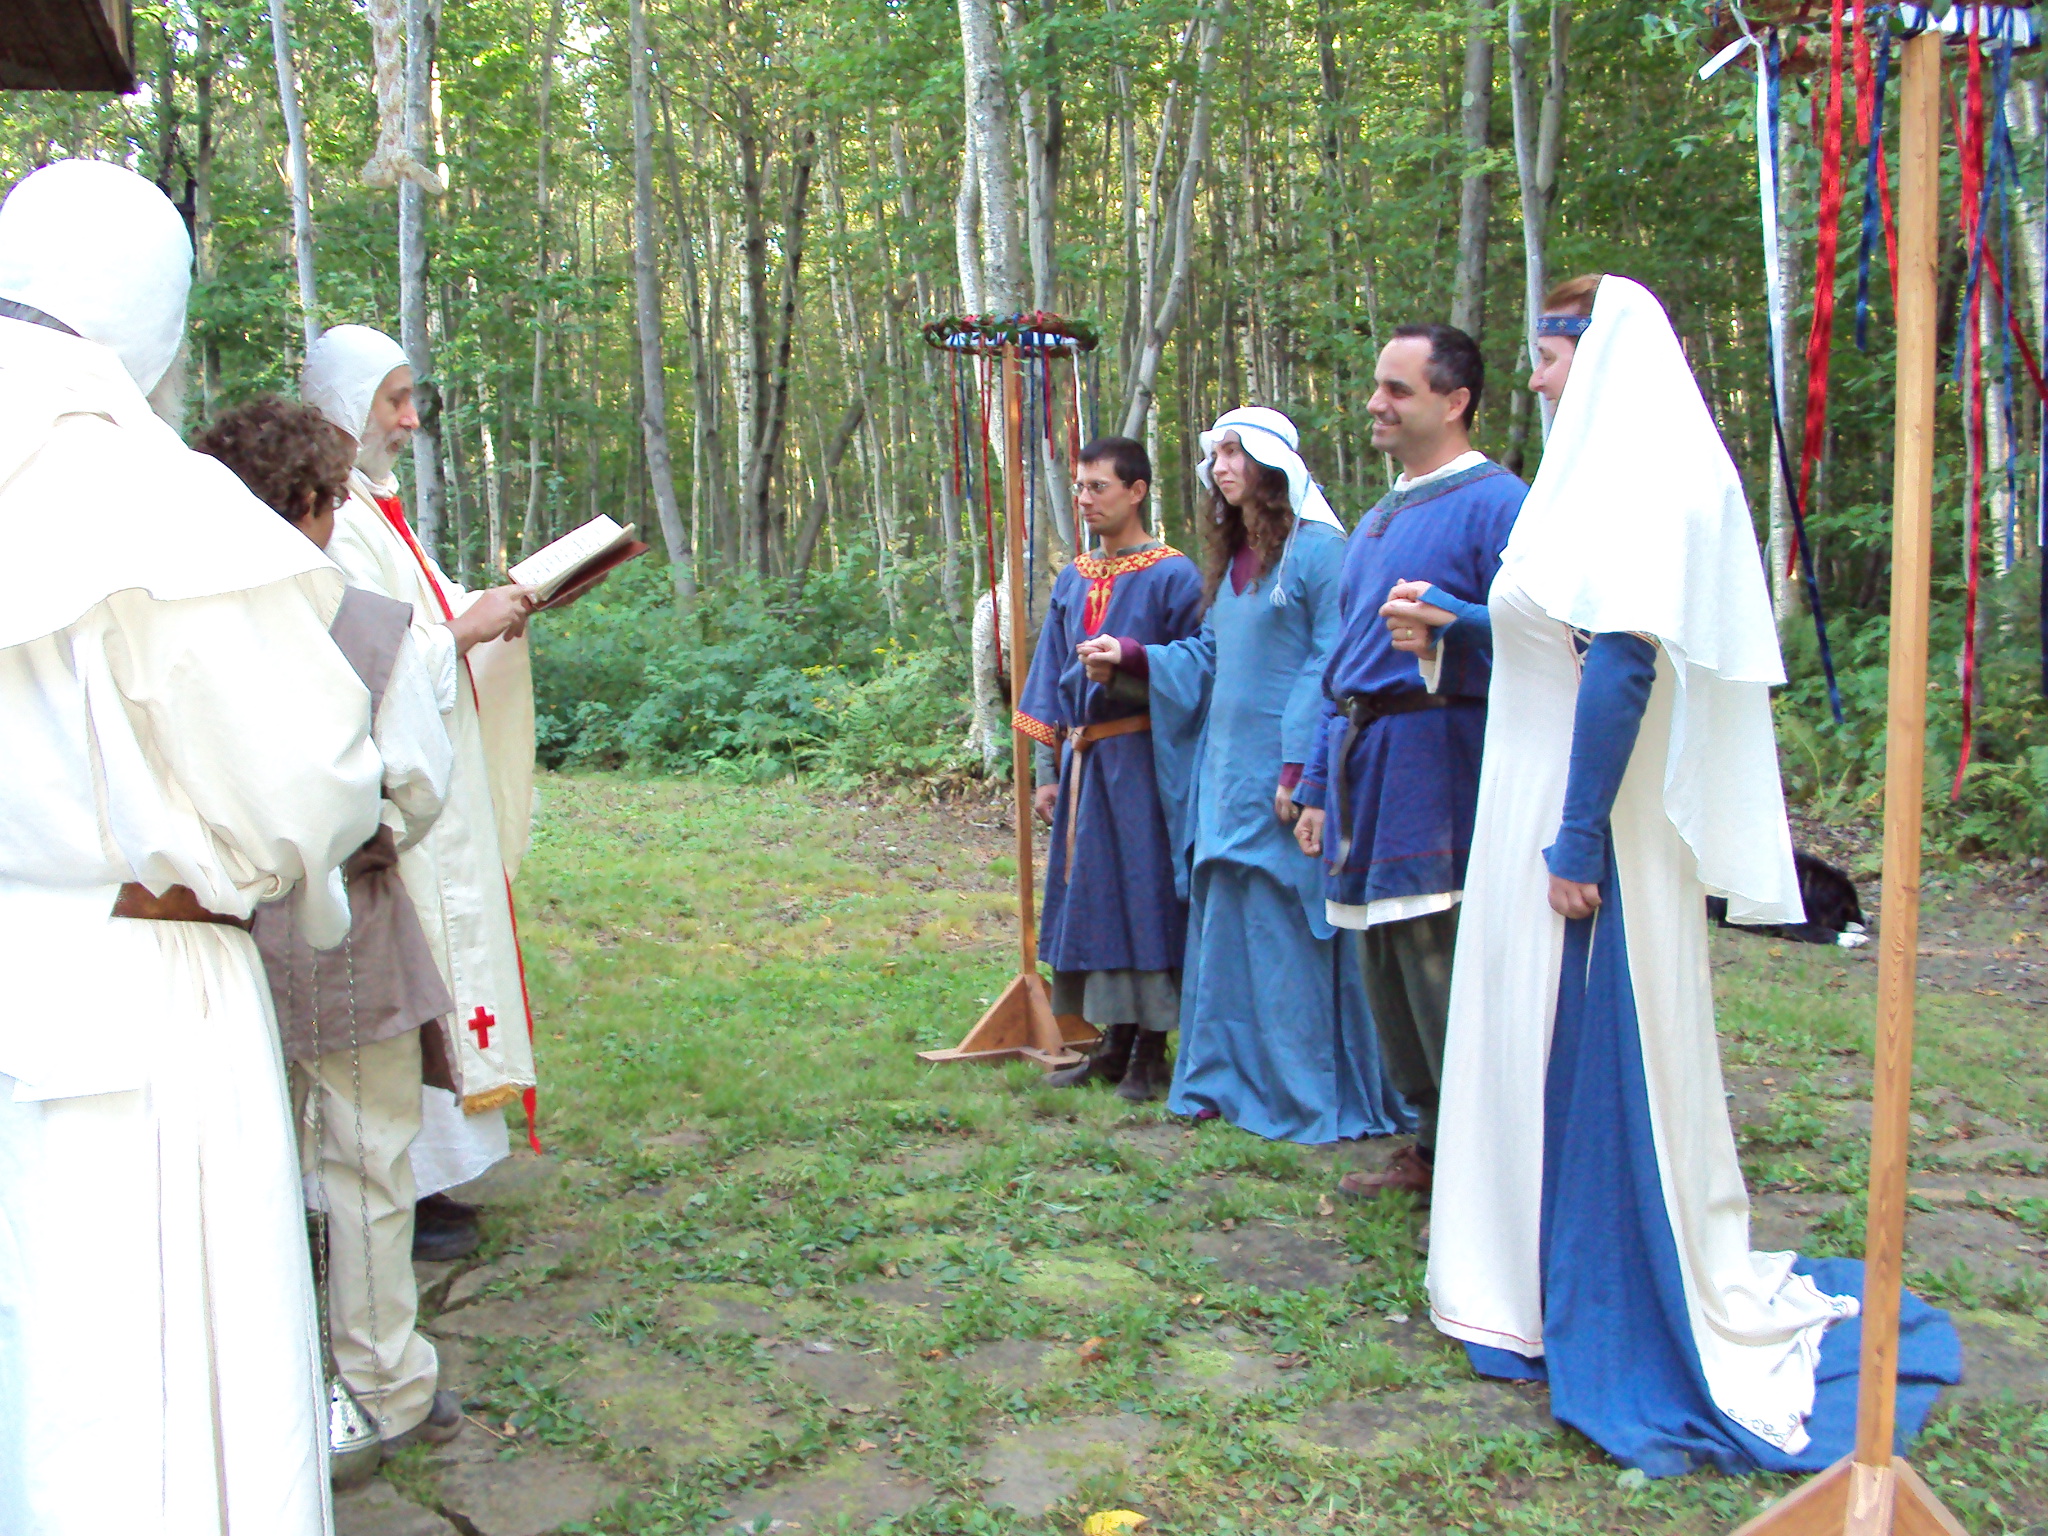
(685, 250)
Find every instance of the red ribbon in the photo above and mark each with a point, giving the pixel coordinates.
(988, 520)
(1820, 337)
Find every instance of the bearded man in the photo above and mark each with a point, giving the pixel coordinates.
(184, 741)
(460, 874)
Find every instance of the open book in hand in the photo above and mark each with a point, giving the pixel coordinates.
(577, 561)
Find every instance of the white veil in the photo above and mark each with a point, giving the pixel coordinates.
(1637, 522)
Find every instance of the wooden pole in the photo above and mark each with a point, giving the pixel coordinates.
(1020, 638)
(1019, 1025)
(1875, 1493)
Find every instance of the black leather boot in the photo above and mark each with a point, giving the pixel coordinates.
(1105, 1066)
(1148, 1076)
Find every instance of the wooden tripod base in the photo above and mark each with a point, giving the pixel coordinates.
(1852, 1499)
(1019, 1026)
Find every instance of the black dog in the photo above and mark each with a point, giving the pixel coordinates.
(1833, 912)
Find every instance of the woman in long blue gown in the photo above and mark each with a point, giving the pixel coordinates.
(1275, 1035)
(1591, 1227)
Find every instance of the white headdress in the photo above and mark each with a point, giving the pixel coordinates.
(1272, 439)
(102, 250)
(1637, 522)
(343, 371)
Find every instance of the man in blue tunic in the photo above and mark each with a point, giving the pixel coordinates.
(1113, 926)
(1389, 801)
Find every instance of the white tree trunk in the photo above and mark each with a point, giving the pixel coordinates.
(988, 124)
(295, 138)
(543, 312)
(412, 271)
(1158, 325)
(647, 312)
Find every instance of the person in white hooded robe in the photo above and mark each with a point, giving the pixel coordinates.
(184, 741)
(460, 874)
(1591, 1226)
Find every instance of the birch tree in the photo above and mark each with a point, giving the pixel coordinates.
(647, 315)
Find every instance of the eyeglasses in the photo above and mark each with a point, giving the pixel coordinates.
(1094, 487)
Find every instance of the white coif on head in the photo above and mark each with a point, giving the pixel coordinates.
(102, 250)
(1637, 523)
(1271, 438)
(343, 371)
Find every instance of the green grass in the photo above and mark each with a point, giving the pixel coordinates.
(749, 973)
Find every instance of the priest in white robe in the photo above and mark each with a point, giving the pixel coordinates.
(460, 875)
(183, 741)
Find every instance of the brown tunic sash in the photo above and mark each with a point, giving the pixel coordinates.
(381, 981)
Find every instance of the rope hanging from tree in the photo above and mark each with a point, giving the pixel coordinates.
(393, 160)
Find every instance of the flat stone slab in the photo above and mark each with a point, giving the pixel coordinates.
(520, 1179)
(531, 1494)
(2019, 1153)
(671, 1410)
(1084, 1275)
(1031, 1470)
(850, 1381)
(735, 1309)
(378, 1509)
(1019, 1365)
(1391, 1423)
(848, 1493)
(1275, 1258)
(546, 1311)
(1164, 1139)
(1216, 1370)
(2002, 1352)
(530, 1261)
(902, 1295)
(1988, 1246)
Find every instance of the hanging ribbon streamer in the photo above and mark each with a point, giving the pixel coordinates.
(1876, 190)
(1768, 74)
(988, 517)
(1827, 235)
(1969, 368)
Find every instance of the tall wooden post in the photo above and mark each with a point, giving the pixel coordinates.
(1019, 1025)
(1873, 1492)
(1020, 663)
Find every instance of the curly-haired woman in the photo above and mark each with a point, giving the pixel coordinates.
(1275, 1035)
(352, 1017)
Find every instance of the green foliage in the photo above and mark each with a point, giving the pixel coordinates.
(747, 687)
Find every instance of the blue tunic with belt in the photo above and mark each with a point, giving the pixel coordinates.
(1619, 1350)
(1411, 781)
(1274, 1031)
(1118, 908)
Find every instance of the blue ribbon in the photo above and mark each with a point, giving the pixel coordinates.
(1872, 207)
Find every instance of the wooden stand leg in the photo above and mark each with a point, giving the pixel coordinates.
(1874, 1493)
(1019, 1026)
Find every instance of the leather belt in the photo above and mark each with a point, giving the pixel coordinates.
(176, 905)
(1360, 710)
(1079, 739)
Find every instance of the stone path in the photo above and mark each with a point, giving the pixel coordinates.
(628, 1383)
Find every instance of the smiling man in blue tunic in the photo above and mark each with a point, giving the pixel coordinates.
(1114, 925)
(1388, 802)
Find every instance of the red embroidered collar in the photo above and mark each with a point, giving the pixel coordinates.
(1097, 567)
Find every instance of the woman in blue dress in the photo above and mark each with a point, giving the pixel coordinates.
(1275, 1036)
(1591, 1226)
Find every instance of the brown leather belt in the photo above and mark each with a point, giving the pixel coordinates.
(1079, 739)
(1359, 711)
(176, 905)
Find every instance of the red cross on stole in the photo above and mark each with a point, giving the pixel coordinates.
(1101, 572)
(481, 1023)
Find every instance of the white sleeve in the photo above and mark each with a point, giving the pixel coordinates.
(413, 740)
(439, 660)
(245, 710)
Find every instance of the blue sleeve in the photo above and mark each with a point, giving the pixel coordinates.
(1466, 640)
(1301, 722)
(1614, 688)
(1183, 607)
(1041, 710)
